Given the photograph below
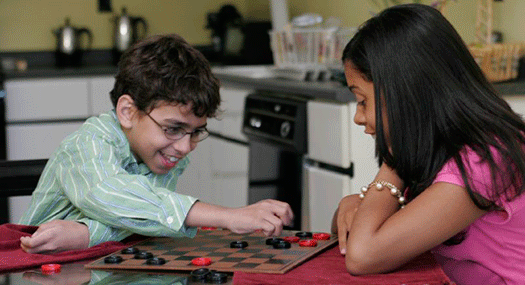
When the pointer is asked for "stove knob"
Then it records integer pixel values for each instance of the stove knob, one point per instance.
(286, 127)
(255, 122)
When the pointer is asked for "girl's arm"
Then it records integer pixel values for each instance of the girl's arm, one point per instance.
(383, 237)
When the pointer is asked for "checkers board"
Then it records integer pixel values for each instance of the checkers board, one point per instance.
(178, 253)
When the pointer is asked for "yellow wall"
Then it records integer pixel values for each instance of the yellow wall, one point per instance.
(26, 25)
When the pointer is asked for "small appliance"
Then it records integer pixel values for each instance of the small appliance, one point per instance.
(68, 50)
(127, 32)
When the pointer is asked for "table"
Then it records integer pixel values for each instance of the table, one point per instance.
(326, 268)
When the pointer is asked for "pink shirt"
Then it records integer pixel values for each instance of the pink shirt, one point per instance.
(493, 251)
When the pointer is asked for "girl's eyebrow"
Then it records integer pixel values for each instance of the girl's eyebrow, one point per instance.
(352, 87)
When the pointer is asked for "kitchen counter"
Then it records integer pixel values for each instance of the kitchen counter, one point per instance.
(54, 72)
(330, 90)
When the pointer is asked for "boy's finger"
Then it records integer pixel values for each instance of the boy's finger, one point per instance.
(268, 229)
(277, 225)
(286, 217)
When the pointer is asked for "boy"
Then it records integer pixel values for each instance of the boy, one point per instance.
(117, 174)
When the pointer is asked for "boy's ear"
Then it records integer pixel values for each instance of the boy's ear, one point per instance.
(126, 111)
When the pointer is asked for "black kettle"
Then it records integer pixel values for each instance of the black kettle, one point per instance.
(127, 32)
(68, 50)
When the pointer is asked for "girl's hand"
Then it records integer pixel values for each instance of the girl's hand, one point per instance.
(343, 218)
(57, 236)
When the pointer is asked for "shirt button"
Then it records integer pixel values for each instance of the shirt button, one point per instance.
(169, 220)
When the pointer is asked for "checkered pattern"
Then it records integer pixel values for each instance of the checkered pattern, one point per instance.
(258, 257)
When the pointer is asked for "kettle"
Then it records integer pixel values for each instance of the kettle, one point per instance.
(126, 31)
(68, 52)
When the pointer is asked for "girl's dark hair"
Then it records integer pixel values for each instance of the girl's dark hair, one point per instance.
(437, 102)
(166, 68)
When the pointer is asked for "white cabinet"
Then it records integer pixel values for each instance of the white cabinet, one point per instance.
(517, 103)
(334, 139)
(99, 88)
(46, 99)
(40, 113)
(36, 141)
(218, 172)
(229, 121)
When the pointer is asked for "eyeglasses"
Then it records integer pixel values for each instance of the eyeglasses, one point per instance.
(177, 133)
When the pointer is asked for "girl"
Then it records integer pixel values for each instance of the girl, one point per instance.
(451, 155)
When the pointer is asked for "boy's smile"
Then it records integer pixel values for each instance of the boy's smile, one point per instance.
(147, 135)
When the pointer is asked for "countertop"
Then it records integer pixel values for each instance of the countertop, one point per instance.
(330, 90)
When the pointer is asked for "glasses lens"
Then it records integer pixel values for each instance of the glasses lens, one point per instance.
(175, 133)
(199, 135)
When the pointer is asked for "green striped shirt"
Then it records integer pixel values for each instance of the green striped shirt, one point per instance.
(94, 178)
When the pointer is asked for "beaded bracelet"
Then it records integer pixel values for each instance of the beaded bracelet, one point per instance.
(379, 184)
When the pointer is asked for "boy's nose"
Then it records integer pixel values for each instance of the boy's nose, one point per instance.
(183, 145)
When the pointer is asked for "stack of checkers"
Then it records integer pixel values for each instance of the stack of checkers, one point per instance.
(214, 251)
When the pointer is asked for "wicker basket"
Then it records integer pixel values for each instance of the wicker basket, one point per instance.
(309, 49)
(499, 62)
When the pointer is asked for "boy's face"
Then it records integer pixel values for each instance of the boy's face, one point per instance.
(147, 139)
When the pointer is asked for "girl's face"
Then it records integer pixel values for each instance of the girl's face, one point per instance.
(365, 114)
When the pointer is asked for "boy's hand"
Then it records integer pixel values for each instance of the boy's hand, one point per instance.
(57, 236)
(343, 218)
(267, 215)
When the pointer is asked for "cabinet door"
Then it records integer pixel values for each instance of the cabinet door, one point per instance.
(196, 179)
(229, 123)
(99, 94)
(33, 141)
(517, 103)
(36, 141)
(229, 170)
(46, 99)
(217, 174)
(362, 149)
(334, 138)
(325, 190)
(328, 133)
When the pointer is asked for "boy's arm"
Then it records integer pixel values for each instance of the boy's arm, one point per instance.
(56, 236)
(269, 216)
(93, 178)
(62, 235)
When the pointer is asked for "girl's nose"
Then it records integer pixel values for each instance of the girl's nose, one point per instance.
(359, 118)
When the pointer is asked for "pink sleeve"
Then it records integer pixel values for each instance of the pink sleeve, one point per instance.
(450, 173)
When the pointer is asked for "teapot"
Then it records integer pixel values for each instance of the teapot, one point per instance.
(68, 51)
(127, 32)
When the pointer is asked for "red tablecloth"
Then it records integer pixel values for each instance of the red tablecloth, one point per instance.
(12, 257)
(329, 268)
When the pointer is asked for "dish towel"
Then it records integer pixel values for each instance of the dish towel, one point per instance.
(13, 258)
(329, 268)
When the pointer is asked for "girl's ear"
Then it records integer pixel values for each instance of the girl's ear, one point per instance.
(126, 111)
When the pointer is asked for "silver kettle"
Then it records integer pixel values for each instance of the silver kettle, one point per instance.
(126, 30)
(68, 38)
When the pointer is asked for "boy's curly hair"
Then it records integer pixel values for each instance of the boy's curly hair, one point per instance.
(166, 68)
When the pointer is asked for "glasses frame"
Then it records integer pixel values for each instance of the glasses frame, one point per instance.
(165, 129)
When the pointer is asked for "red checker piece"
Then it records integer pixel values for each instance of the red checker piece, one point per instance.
(51, 268)
(201, 261)
(208, 228)
(321, 236)
(308, 243)
(292, 239)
